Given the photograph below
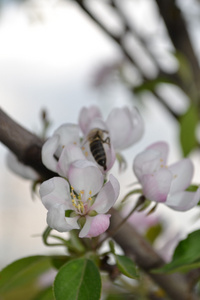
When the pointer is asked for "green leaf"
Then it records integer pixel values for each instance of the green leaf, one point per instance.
(46, 294)
(186, 255)
(153, 232)
(59, 261)
(23, 271)
(127, 266)
(192, 188)
(188, 124)
(79, 279)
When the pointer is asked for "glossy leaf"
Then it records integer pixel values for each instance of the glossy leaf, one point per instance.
(186, 255)
(126, 266)
(78, 279)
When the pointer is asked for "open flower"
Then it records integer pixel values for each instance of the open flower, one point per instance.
(125, 126)
(162, 183)
(81, 203)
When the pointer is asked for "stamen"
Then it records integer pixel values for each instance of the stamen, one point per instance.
(86, 153)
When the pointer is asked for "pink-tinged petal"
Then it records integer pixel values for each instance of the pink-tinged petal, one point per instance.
(19, 168)
(84, 175)
(156, 186)
(183, 201)
(162, 148)
(69, 154)
(48, 150)
(107, 196)
(95, 226)
(126, 127)
(87, 115)
(56, 219)
(148, 162)
(182, 172)
(55, 191)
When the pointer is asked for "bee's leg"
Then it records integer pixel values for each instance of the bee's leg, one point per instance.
(107, 141)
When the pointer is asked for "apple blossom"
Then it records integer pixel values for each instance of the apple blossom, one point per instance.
(162, 183)
(82, 202)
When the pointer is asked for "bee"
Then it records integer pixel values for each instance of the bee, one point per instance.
(96, 141)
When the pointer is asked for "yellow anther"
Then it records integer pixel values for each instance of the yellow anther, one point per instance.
(161, 166)
(83, 148)
(86, 153)
(63, 146)
(90, 198)
(72, 188)
(78, 206)
(90, 192)
(82, 192)
(74, 204)
(161, 160)
(75, 143)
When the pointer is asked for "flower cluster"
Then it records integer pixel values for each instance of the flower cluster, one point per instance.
(162, 183)
(81, 196)
(82, 154)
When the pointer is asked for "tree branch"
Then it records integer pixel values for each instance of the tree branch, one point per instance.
(24, 144)
(27, 147)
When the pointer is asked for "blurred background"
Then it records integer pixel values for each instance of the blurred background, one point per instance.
(59, 56)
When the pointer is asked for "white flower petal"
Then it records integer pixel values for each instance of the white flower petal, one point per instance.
(68, 134)
(48, 150)
(56, 219)
(156, 186)
(162, 148)
(150, 160)
(69, 154)
(87, 115)
(184, 200)
(55, 191)
(126, 127)
(84, 175)
(107, 196)
(182, 172)
(95, 226)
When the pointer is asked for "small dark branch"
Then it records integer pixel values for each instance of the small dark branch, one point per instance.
(112, 270)
(24, 144)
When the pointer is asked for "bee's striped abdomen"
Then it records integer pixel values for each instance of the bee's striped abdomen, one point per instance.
(98, 152)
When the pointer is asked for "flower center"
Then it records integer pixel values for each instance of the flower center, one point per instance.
(80, 205)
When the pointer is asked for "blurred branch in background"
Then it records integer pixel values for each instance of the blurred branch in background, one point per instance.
(152, 76)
